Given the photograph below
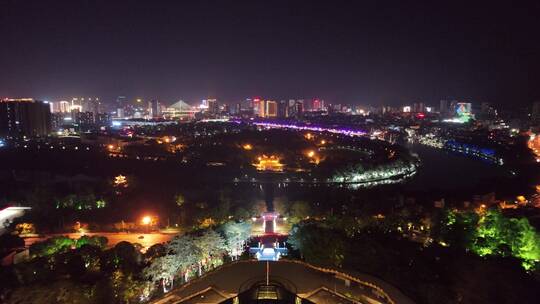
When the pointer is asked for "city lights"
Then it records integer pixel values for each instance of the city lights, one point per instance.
(269, 163)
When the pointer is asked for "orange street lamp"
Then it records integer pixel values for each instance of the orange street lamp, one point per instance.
(146, 220)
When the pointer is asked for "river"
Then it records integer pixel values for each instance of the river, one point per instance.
(444, 170)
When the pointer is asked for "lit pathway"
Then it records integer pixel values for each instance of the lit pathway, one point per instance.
(269, 246)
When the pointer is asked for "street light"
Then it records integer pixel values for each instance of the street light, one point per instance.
(146, 220)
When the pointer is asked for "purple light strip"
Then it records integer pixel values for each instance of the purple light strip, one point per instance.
(310, 128)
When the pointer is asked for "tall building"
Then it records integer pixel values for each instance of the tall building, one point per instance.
(61, 106)
(443, 107)
(299, 107)
(155, 108)
(91, 104)
(295, 107)
(291, 108)
(24, 117)
(121, 104)
(418, 107)
(213, 106)
(57, 120)
(103, 119)
(318, 105)
(258, 107)
(271, 109)
(283, 109)
(247, 105)
(84, 118)
(76, 105)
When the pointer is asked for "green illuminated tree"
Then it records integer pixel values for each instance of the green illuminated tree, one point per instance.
(236, 235)
(51, 246)
(491, 233)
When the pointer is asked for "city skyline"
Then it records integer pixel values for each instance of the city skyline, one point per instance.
(347, 53)
(276, 152)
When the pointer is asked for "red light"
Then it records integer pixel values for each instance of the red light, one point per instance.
(420, 115)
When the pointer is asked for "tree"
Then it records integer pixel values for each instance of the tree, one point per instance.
(123, 256)
(98, 241)
(236, 235)
(179, 199)
(491, 233)
(155, 251)
(163, 269)
(456, 228)
(182, 254)
(318, 244)
(51, 246)
(524, 242)
(211, 248)
(91, 256)
(299, 210)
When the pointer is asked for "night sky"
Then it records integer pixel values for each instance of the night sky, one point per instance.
(380, 52)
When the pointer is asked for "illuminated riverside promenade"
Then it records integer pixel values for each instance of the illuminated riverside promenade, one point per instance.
(344, 131)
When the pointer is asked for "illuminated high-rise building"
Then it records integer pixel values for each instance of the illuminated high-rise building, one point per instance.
(84, 118)
(87, 104)
(60, 106)
(213, 106)
(258, 107)
(76, 105)
(317, 105)
(121, 105)
(63, 106)
(271, 109)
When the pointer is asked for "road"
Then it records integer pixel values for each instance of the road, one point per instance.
(114, 238)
